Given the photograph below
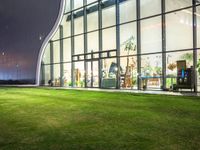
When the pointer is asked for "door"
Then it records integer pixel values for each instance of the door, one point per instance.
(92, 74)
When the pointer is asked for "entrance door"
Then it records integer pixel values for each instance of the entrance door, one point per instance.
(92, 74)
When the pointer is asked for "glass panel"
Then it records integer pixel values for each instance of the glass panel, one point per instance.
(67, 75)
(150, 7)
(47, 74)
(179, 30)
(127, 11)
(128, 72)
(95, 74)
(151, 71)
(89, 74)
(109, 70)
(79, 74)
(78, 4)
(198, 26)
(56, 36)
(67, 6)
(66, 26)
(109, 38)
(46, 56)
(78, 24)
(198, 70)
(171, 65)
(67, 50)
(56, 52)
(108, 16)
(56, 79)
(92, 17)
(151, 35)
(93, 42)
(177, 4)
(79, 44)
(128, 36)
(91, 1)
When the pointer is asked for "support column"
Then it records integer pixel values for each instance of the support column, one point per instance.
(194, 44)
(61, 57)
(100, 40)
(118, 43)
(138, 46)
(163, 46)
(85, 40)
(72, 45)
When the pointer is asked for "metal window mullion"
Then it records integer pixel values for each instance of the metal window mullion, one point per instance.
(72, 44)
(85, 40)
(61, 56)
(118, 42)
(163, 45)
(100, 40)
(194, 44)
(51, 60)
(138, 45)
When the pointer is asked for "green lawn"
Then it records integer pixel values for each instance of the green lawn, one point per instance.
(32, 118)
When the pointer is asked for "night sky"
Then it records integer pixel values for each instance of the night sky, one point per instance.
(22, 22)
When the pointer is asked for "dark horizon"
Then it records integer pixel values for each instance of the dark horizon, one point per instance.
(22, 23)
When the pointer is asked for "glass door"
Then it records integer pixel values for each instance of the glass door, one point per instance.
(92, 74)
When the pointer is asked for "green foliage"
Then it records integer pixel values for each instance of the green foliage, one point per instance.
(129, 44)
(187, 56)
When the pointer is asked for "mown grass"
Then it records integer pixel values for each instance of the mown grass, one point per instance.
(33, 118)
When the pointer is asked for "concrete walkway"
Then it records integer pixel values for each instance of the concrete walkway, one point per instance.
(158, 92)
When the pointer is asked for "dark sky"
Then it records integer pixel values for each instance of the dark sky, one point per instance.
(21, 24)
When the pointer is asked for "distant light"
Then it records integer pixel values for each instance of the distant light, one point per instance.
(3, 53)
(17, 65)
(40, 38)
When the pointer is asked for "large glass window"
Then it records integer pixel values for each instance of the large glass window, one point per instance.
(46, 56)
(66, 26)
(78, 23)
(151, 71)
(79, 73)
(108, 16)
(67, 50)
(127, 11)
(91, 1)
(179, 30)
(198, 26)
(128, 72)
(93, 41)
(79, 44)
(109, 38)
(67, 6)
(92, 18)
(47, 74)
(78, 3)
(67, 74)
(150, 7)
(177, 4)
(128, 39)
(109, 71)
(56, 79)
(56, 52)
(151, 35)
(172, 66)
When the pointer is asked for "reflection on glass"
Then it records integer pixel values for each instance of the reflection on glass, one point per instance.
(79, 74)
(151, 71)
(150, 7)
(109, 71)
(151, 37)
(179, 30)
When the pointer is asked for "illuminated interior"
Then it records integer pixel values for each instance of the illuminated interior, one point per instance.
(125, 44)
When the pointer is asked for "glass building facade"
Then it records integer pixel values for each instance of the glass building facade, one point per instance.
(124, 44)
